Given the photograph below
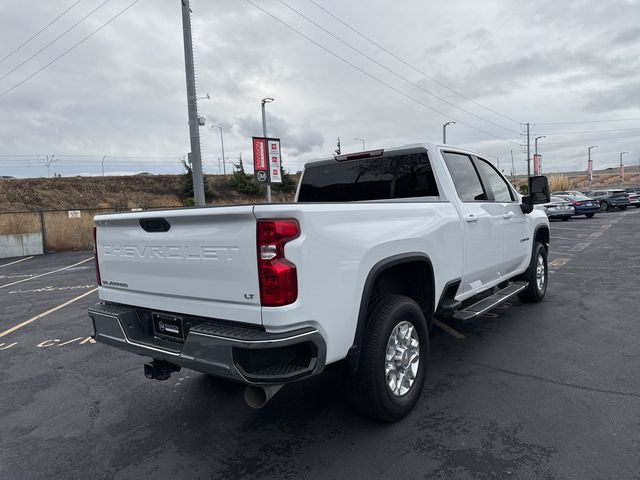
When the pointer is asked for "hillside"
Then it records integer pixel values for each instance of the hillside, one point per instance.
(69, 193)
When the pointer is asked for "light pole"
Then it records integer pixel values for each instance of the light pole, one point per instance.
(361, 140)
(264, 134)
(535, 152)
(224, 171)
(102, 164)
(444, 131)
(590, 164)
(622, 168)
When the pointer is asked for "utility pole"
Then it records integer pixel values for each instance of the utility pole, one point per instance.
(513, 170)
(192, 106)
(224, 170)
(264, 134)
(528, 154)
(48, 160)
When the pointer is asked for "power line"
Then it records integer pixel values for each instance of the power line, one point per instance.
(404, 62)
(373, 77)
(590, 140)
(38, 33)
(590, 121)
(589, 131)
(70, 48)
(418, 86)
(54, 40)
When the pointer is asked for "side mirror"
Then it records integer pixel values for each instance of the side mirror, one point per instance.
(538, 193)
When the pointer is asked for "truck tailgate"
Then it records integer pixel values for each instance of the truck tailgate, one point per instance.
(199, 261)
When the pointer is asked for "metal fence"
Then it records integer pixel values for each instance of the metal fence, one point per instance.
(43, 231)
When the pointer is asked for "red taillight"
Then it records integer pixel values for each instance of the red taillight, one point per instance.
(577, 203)
(95, 256)
(278, 276)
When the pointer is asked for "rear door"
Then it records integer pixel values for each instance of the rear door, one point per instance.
(192, 261)
(482, 223)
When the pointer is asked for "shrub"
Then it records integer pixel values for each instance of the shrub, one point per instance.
(242, 182)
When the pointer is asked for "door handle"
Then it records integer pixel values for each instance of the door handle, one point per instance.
(507, 215)
(471, 218)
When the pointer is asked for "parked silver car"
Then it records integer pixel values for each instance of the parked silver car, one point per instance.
(558, 207)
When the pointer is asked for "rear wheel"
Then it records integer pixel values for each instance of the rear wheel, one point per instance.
(624, 207)
(604, 206)
(393, 360)
(538, 276)
(590, 215)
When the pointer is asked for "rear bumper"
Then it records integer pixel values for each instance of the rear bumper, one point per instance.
(586, 210)
(239, 353)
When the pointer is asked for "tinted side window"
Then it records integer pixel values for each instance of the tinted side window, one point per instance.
(465, 177)
(414, 178)
(501, 191)
(400, 176)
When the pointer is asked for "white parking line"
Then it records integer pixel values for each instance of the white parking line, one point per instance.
(563, 238)
(569, 228)
(47, 273)
(44, 314)
(17, 261)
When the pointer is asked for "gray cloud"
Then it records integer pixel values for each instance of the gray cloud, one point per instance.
(123, 91)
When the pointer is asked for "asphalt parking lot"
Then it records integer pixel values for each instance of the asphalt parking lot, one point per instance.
(550, 390)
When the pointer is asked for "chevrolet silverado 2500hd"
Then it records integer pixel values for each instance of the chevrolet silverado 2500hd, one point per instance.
(376, 245)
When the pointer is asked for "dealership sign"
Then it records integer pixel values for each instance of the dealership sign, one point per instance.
(267, 159)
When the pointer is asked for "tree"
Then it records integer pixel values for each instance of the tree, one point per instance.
(186, 186)
(242, 182)
(338, 150)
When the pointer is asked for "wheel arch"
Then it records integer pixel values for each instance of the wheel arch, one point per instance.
(409, 274)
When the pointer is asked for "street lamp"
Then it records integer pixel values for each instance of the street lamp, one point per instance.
(622, 168)
(264, 134)
(362, 140)
(535, 141)
(224, 171)
(444, 131)
(590, 164)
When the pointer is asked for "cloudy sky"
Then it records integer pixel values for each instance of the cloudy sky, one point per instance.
(571, 68)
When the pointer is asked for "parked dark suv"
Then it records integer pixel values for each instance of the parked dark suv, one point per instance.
(610, 198)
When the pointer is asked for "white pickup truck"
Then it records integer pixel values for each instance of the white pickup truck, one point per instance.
(352, 274)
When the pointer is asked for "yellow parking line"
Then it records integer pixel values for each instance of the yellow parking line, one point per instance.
(44, 314)
(17, 261)
(449, 330)
(47, 273)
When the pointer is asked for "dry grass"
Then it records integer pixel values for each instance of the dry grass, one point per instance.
(561, 182)
(16, 223)
(55, 196)
(63, 233)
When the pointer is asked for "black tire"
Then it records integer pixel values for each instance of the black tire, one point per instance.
(604, 206)
(624, 207)
(367, 389)
(638, 205)
(589, 215)
(564, 219)
(534, 293)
